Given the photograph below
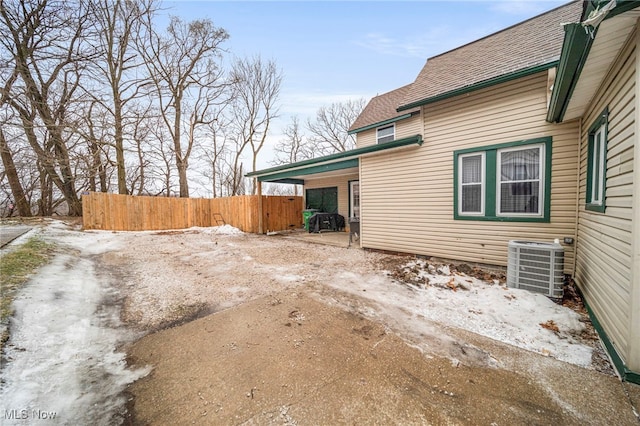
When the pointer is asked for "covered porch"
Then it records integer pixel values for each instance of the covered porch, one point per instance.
(331, 183)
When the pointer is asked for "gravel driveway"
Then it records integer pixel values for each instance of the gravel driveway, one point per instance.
(245, 329)
(267, 329)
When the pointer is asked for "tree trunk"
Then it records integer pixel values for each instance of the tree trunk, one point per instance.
(119, 140)
(14, 181)
(47, 167)
(181, 163)
(46, 191)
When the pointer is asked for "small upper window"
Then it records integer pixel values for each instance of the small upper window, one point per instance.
(597, 164)
(386, 134)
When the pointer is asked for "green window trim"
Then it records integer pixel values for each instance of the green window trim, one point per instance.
(595, 199)
(491, 183)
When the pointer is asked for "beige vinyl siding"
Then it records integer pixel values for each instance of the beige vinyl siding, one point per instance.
(404, 128)
(342, 182)
(603, 268)
(407, 196)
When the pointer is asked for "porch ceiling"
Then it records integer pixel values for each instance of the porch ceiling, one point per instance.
(330, 174)
(585, 61)
(610, 39)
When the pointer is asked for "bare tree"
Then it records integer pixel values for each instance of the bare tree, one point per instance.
(178, 62)
(47, 43)
(161, 155)
(329, 131)
(93, 131)
(10, 171)
(140, 133)
(294, 147)
(215, 152)
(257, 87)
(119, 22)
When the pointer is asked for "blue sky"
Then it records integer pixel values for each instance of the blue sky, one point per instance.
(331, 51)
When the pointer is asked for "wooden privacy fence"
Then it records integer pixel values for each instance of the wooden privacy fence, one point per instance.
(137, 213)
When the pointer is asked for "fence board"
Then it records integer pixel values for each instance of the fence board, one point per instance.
(118, 212)
(280, 213)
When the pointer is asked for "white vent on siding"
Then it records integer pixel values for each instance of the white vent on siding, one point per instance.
(537, 267)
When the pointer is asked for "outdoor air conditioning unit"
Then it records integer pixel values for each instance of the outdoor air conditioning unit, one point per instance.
(537, 267)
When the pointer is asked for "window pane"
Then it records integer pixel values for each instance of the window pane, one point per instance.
(386, 134)
(472, 169)
(518, 165)
(521, 197)
(597, 167)
(520, 181)
(472, 198)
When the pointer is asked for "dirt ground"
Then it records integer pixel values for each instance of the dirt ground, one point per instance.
(268, 340)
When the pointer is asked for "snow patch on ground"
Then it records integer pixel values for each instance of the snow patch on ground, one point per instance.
(492, 310)
(62, 354)
(219, 230)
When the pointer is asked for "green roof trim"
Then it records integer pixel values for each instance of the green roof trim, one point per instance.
(622, 7)
(380, 123)
(302, 165)
(481, 85)
(575, 50)
(289, 181)
(287, 175)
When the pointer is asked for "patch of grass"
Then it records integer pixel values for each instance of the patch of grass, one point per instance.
(17, 266)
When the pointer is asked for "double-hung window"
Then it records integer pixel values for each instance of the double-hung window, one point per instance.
(597, 164)
(471, 188)
(519, 180)
(386, 134)
(504, 182)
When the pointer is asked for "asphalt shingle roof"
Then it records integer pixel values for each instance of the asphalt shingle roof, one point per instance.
(535, 42)
(529, 44)
(381, 108)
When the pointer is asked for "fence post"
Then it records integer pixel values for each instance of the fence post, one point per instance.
(260, 207)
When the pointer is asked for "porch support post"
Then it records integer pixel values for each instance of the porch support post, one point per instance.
(260, 207)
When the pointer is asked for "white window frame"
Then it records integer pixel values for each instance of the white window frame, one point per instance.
(352, 206)
(379, 139)
(541, 184)
(482, 183)
(600, 147)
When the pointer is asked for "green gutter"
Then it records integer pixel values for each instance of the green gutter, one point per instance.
(417, 139)
(575, 49)
(622, 7)
(480, 85)
(625, 374)
(289, 175)
(380, 123)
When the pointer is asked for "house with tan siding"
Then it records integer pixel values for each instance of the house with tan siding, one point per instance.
(525, 134)
(597, 86)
